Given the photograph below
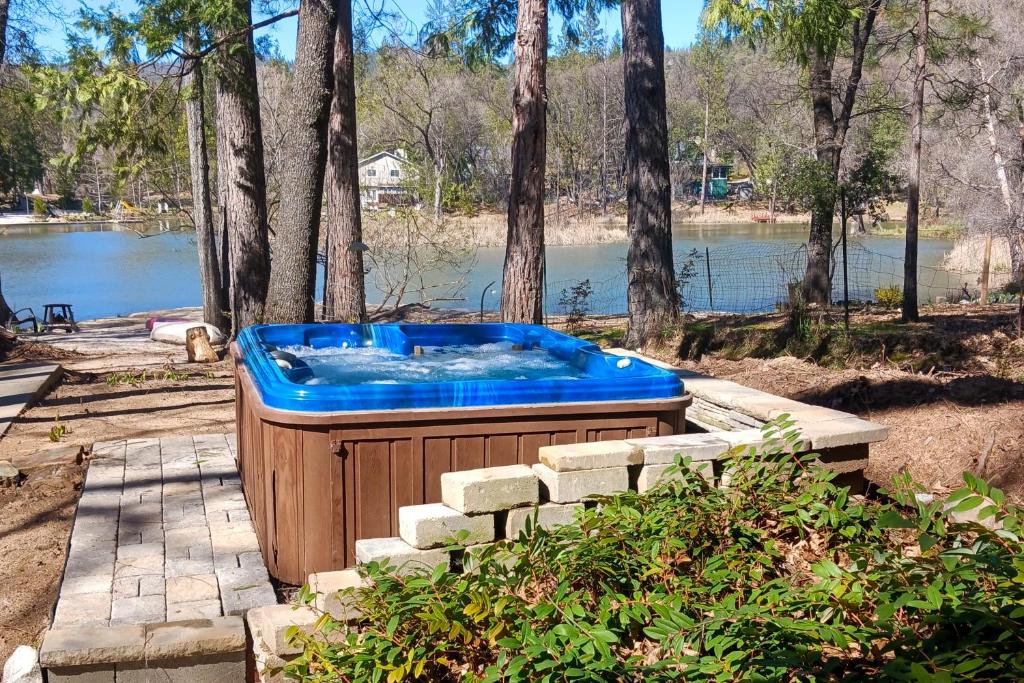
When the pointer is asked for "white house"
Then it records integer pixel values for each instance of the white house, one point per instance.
(386, 179)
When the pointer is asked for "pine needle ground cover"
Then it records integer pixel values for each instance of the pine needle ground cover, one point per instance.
(782, 576)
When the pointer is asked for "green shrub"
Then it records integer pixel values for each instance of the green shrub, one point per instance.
(88, 206)
(889, 297)
(38, 206)
(783, 576)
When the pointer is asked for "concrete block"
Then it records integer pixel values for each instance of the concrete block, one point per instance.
(87, 646)
(847, 431)
(329, 588)
(590, 456)
(195, 638)
(209, 669)
(397, 553)
(141, 610)
(95, 673)
(269, 626)
(435, 525)
(662, 450)
(652, 474)
(192, 588)
(196, 609)
(243, 588)
(489, 489)
(101, 583)
(82, 608)
(571, 487)
(549, 515)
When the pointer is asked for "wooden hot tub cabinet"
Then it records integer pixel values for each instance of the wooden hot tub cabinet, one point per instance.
(317, 482)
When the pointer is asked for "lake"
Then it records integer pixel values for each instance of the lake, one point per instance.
(106, 270)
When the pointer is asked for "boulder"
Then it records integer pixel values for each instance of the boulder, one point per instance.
(23, 666)
(9, 474)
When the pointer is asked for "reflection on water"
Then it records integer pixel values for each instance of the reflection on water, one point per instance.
(105, 269)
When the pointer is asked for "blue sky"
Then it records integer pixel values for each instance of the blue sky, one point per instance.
(680, 19)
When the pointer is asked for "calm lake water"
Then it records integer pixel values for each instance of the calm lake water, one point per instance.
(106, 270)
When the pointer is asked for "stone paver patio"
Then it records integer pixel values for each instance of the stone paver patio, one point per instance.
(162, 534)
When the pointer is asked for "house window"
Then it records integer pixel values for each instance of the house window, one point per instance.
(395, 173)
(371, 172)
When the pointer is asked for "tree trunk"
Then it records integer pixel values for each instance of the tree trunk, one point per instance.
(345, 297)
(652, 296)
(5, 6)
(704, 166)
(245, 203)
(910, 311)
(522, 287)
(297, 237)
(817, 283)
(5, 310)
(216, 304)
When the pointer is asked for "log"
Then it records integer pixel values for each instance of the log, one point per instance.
(198, 347)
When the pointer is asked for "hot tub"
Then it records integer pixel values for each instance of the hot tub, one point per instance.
(340, 425)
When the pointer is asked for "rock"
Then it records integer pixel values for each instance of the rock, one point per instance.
(23, 666)
(435, 525)
(394, 552)
(49, 457)
(592, 455)
(490, 489)
(548, 516)
(197, 346)
(9, 474)
(572, 487)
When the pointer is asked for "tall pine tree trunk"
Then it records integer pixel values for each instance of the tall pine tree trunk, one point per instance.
(346, 288)
(5, 7)
(522, 288)
(652, 296)
(817, 284)
(216, 304)
(910, 312)
(245, 189)
(293, 267)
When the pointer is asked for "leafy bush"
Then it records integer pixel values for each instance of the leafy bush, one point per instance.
(88, 206)
(889, 297)
(38, 206)
(783, 576)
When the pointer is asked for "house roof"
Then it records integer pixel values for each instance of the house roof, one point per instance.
(378, 155)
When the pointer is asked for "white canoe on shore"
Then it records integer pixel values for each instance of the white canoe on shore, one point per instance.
(174, 332)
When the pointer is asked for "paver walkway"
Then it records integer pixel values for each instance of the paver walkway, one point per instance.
(162, 533)
(21, 385)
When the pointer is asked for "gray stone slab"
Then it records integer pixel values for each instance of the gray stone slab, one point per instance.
(548, 515)
(144, 609)
(83, 608)
(571, 487)
(397, 553)
(435, 525)
(21, 385)
(590, 455)
(490, 489)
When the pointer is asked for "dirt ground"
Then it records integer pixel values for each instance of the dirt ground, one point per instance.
(951, 389)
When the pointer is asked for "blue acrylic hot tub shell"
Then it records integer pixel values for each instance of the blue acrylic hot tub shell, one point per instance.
(605, 380)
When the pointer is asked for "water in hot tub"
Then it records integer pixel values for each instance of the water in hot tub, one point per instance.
(370, 365)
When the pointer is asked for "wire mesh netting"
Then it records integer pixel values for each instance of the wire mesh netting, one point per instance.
(759, 277)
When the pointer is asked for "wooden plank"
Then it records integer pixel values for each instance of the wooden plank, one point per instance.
(492, 429)
(437, 459)
(403, 480)
(373, 489)
(317, 517)
(288, 502)
(563, 438)
(269, 495)
(343, 498)
(612, 434)
(468, 452)
(502, 449)
(531, 445)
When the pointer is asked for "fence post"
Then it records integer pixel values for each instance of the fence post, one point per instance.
(707, 263)
(986, 264)
(846, 279)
